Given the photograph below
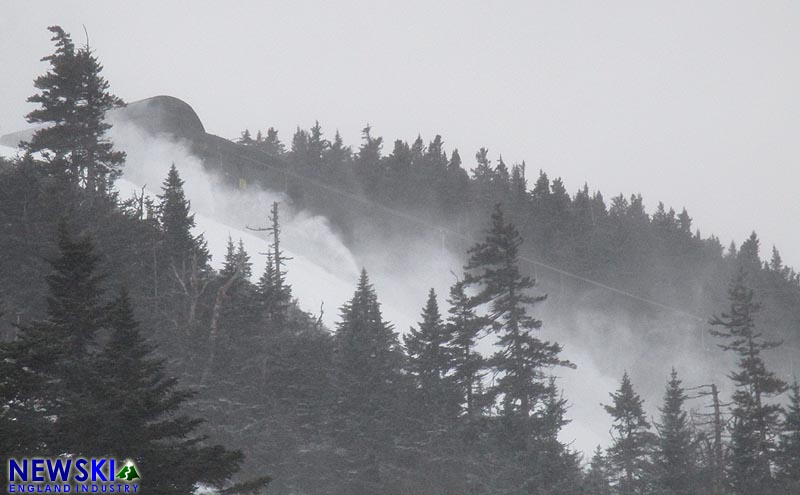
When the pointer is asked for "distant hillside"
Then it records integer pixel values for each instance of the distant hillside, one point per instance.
(576, 242)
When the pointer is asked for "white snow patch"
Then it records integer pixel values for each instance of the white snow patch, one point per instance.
(322, 269)
(9, 152)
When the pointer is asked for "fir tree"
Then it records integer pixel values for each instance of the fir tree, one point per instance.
(755, 421)
(177, 221)
(317, 146)
(629, 455)
(230, 262)
(674, 457)
(274, 293)
(236, 258)
(493, 267)
(267, 295)
(51, 359)
(338, 161)
(246, 139)
(369, 382)
(367, 164)
(272, 145)
(598, 475)
(427, 347)
(73, 100)
(141, 414)
(244, 259)
(465, 326)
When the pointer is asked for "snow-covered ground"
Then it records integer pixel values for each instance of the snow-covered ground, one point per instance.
(312, 284)
(324, 270)
(7, 152)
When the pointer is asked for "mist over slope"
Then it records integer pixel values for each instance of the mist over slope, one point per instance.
(603, 333)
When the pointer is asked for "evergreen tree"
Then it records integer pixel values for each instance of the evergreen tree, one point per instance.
(367, 164)
(244, 259)
(369, 383)
(427, 348)
(141, 414)
(272, 145)
(338, 161)
(230, 261)
(789, 452)
(51, 358)
(755, 421)
(483, 177)
(493, 267)
(246, 139)
(531, 410)
(177, 222)
(629, 455)
(465, 326)
(317, 146)
(598, 475)
(233, 314)
(674, 457)
(50, 365)
(275, 293)
(236, 257)
(267, 296)
(73, 100)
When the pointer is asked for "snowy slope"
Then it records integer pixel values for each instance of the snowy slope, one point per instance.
(7, 152)
(311, 284)
(323, 270)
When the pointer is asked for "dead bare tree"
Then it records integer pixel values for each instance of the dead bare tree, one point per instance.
(213, 333)
(193, 287)
(715, 420)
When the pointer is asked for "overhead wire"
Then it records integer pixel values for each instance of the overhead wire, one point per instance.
(444, 230)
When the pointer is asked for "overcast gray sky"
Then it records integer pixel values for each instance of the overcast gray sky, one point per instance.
(692, 103)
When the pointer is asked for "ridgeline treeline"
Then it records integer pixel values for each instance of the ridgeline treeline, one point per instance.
(120, 339)
(659, 256)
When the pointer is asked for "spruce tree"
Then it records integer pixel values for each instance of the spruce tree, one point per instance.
(755, 420)
(245, 139)
(73, 100)
(629, 455)
(272, 145)
(236, 258)
(369, 385)
(317, 146)
(244, 259)
(233, 315)
(51, 358)
(531, 412)
(267, 296)
(465, 326)
(275, 295)
(428, 350)
(177, 222)
(674, 457)
(523, 358)
(183, 261)
(368, 163)
(142, 414)
(598, 475)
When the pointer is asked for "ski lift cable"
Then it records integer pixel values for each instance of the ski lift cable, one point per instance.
(453, 234)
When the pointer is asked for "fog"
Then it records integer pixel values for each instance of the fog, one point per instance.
(602, 342)
(690, 103)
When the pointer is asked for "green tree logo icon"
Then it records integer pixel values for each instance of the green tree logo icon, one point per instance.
(128, 473)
